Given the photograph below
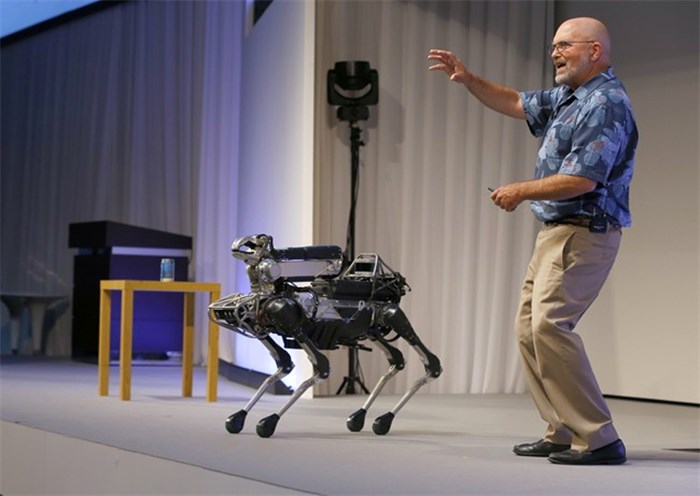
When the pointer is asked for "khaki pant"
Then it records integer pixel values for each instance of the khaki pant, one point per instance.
(568, 268)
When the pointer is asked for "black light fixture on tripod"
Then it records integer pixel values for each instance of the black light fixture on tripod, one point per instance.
(353, 86)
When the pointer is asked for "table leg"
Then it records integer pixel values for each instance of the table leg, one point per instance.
(103, 350)
(37, 310)
(15, 331)
(126, 343)
(187, 345)
(213, 355)
(16, 308)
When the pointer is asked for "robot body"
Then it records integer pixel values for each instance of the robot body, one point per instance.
(335, 309)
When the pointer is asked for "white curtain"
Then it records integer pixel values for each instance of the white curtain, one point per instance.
(130, 115)
(431, 153)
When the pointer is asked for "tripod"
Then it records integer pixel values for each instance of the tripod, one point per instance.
(356, 142)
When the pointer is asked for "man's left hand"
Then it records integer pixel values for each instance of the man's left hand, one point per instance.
(507, 197)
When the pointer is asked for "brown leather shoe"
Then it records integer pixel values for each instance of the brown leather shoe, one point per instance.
(539, 448)
(610, 454)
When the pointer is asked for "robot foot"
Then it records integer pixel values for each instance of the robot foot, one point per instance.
(235, 421)
(266, 427)
(356, 420)
(382, 424)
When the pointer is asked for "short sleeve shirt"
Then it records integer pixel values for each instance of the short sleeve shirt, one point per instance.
(588, 132)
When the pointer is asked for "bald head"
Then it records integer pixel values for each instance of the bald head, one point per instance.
(587, 28)
(580, 51)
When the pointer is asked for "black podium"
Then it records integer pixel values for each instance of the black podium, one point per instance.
(112, 250)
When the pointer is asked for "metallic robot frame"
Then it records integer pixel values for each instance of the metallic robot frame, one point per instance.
(334, 308)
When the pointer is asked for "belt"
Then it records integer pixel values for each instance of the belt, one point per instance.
(579, 220)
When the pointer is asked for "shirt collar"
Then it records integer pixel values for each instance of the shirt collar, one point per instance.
(586, 88)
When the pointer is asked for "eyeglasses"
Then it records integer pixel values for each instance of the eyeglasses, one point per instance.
(564, 45)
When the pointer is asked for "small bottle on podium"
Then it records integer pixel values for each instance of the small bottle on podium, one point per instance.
(167, 270)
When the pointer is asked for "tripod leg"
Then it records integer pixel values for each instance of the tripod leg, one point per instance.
(235, 421)
(342, 385)
(356, 420)
(352, 378)
(361, 384)
(396, 319)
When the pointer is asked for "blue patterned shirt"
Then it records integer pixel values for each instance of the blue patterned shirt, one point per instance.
(589, 132)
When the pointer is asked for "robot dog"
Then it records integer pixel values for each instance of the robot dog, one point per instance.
(334, 308)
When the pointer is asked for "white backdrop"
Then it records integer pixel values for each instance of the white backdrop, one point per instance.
(431, 152)
(643, 334)
(274, 194)
(132, 114)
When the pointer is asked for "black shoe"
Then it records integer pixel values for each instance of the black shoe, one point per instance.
(539, 448)
(611, 454)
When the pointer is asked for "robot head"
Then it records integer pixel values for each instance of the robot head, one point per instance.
(252, 249)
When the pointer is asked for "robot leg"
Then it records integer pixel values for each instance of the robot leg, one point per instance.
(235, 421)
(287, 316)
(356, 420)
(394, 317)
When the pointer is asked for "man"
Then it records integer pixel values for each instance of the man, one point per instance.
(581, 193)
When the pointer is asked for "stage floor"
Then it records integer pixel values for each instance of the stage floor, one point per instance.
(438, 445)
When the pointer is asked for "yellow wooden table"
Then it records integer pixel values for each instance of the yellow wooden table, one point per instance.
(128, 287)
